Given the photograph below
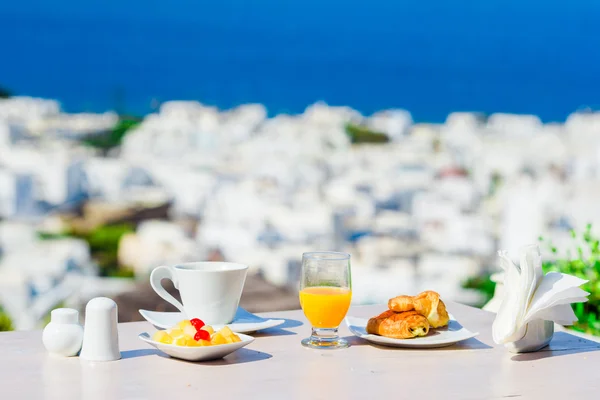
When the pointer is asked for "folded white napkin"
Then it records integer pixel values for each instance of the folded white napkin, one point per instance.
(529, 296)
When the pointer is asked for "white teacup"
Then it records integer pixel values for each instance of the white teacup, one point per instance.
(210, 291)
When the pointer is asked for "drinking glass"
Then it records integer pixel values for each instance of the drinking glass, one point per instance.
(325, 294)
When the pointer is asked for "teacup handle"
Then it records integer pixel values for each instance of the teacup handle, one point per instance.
(157, 275)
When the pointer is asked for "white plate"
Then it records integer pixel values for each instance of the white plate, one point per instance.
(244, 321)
(203, 353)
(440, 337)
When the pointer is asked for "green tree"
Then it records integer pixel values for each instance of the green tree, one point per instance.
(361, 134)
(586, 265)
(112, 138)
(104, 246)
(482, 284)
(5, 321)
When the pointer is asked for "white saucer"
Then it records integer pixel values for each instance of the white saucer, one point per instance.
(244, 321)
(440, 337)
(203, 353)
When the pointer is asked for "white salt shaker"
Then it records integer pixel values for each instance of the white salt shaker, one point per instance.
(101, 336)
(63, 335)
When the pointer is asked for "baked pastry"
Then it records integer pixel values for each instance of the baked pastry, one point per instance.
(401, 303)
(395, 325)
(431, 306)
(427, 303)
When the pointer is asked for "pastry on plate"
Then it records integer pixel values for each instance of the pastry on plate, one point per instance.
(395, 325)
(431, 306)
(401, 303)
(427, 303)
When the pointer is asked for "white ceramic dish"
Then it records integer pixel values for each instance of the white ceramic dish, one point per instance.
(244, 321)
(203, 353)
(441, 337)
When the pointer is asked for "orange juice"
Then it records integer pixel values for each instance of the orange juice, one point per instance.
(324, 306)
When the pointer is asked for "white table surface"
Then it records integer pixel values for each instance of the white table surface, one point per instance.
(276, 366)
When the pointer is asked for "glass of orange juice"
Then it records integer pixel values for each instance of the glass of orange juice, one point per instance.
(325, 294)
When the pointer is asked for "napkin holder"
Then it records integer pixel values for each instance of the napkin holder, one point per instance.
(533, 301)
(538, 335)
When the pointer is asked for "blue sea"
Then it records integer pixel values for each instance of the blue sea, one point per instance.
(431, 57)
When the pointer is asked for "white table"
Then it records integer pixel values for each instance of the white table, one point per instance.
(276, 366)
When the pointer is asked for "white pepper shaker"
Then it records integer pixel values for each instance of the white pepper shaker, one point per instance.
(101, 336)
(63, 335)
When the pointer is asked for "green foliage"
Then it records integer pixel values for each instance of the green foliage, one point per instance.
(52, 236)
(361, 134)
(114, 137)
(107, 237)
(104, 246)
(4, 93)
(484, 285)
(123, 272)
(5, 322)
(497, 181)
(586, 265)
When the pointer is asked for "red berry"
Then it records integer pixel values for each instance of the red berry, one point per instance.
(202, 335)
(197, 323)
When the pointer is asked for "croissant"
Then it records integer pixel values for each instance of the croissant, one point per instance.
(427, 303)
(401, 303)
(395, 325)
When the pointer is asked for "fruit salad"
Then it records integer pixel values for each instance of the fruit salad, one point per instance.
(194, 333)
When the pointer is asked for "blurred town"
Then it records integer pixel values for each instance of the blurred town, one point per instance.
(91, 203)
